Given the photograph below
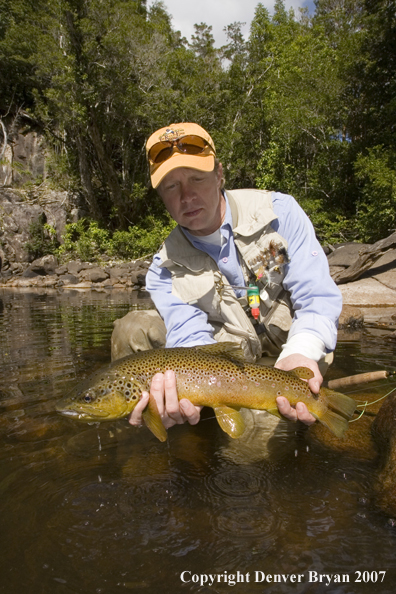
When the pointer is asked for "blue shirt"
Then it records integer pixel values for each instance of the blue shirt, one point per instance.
(316, 300)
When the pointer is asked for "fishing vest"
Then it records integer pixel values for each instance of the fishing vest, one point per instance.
(196, 279)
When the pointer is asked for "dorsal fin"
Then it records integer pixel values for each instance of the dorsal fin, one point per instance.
(227, 350)
(303, 372)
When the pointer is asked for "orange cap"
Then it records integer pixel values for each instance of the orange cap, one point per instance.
(204, 161)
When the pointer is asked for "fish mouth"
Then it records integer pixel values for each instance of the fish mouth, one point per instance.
(80, 415)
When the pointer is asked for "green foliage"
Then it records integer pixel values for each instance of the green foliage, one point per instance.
(376, 212)
(138, 242)
(299, 107)
(87, 241)
(43, 240)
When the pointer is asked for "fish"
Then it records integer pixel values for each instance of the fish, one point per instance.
(214, 375)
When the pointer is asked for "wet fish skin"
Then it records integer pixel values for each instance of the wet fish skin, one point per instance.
(212, 375)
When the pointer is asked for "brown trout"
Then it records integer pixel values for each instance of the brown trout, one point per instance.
(211, 375)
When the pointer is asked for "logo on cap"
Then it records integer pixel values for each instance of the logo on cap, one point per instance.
(171, 134)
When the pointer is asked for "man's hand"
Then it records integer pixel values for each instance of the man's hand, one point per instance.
(171, 410)
(300, 412)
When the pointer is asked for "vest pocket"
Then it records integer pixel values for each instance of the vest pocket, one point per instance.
(197, 289)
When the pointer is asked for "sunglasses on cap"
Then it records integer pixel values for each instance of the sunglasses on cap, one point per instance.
(188, 145)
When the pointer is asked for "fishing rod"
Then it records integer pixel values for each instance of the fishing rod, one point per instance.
(360, 378)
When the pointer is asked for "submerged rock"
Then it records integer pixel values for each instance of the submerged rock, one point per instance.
(384, 434)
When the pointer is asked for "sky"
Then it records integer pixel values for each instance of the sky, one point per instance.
(218, 14)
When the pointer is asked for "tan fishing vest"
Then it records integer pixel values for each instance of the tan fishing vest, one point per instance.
(197, 280)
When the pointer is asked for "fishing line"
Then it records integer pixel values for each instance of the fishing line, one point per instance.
(366, 404)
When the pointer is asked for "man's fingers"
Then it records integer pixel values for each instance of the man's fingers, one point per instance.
(190, 412)
(135, 418)
(163, 390)
(299, 413)
(157, 391)
(303, 414)
(171, 399)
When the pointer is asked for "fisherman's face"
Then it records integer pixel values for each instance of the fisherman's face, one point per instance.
(194, 199)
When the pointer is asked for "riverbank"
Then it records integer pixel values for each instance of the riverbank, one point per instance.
(367, 302)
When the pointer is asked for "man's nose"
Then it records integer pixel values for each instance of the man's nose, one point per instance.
(186, 193)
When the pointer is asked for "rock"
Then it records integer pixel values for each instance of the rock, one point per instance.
(367, 292)
(19, 211)
(26, 159)
(95, 275)
(138, 277)
(351, 317)
(83, 285)
(334, 270)
(74, 267)
(29, 274)
(366, 260)
(117, 272)
(61, 270)
(384, 433)
(384, 270)
(45, 265)
(69, 279)
(346, 254)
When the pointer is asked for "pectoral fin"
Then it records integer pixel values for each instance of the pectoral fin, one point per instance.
(153, 421)
(230, 420)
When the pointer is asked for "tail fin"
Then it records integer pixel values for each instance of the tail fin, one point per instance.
(340, 403)
(337, 425)
(341, 408)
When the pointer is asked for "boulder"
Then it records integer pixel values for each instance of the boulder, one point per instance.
(384, 433)
(74, 267)
(351, 317)
(138, 277)
(367, 292)
(346, 254)
(45, 265)
(69, 279)
(19, 211)
(95, 275)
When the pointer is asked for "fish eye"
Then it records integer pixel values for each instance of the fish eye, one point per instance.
(87, 398)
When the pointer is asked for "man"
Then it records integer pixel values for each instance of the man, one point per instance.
(228, 244)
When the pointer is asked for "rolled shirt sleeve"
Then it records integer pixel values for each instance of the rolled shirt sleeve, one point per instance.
(316, 299)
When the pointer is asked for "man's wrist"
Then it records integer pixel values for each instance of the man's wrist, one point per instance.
(305, 344)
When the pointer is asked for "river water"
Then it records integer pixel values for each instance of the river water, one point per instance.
(109, 509)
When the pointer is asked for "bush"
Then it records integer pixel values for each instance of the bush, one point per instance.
(43, 240)
(376, 211)
(87, 241)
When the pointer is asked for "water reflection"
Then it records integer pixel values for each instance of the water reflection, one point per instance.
(110, 509)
